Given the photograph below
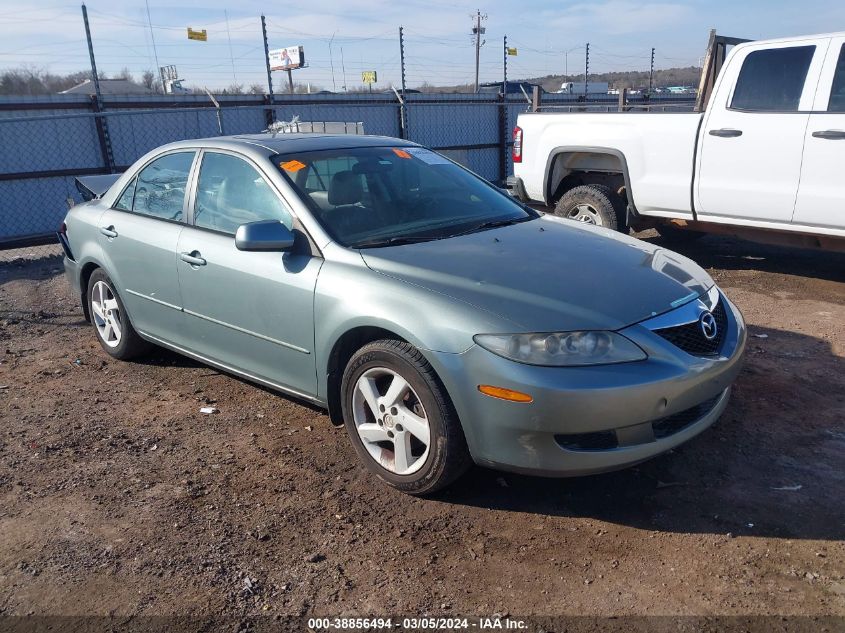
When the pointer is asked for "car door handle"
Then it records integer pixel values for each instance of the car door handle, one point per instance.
(108, 231)
(192, 258)
(726, 133)
(830, 134)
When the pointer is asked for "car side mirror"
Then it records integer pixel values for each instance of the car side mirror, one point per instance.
(264, 235)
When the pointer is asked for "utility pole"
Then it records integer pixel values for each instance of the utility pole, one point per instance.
(403, 112)
(478, 31)
(331, 61)
(102, 125)
(343, 70)
(586, 70)
(94, 76)
(505, 68)
(155, 52)
(267, 62)
(231, 55)
(651, 72)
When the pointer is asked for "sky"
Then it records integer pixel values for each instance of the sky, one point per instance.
(342, 39)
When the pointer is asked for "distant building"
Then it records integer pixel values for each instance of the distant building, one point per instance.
(108, 87)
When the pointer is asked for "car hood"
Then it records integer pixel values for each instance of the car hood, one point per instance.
(549, 274)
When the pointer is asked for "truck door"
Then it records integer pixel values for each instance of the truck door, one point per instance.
(752, 139)
(821, 194)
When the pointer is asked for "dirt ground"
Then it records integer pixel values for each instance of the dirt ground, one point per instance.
(118, 497)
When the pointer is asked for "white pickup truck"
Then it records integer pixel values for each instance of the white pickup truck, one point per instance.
(765, 160)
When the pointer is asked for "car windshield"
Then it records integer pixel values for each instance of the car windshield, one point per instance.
(369, 197)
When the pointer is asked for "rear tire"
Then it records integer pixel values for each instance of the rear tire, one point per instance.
(111, 323)
(592, 204)
(400, 418)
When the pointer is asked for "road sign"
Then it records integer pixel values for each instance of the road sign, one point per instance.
(200, 36)
(369, 77)
(511, 51)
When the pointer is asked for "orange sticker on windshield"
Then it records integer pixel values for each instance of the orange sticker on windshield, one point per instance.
(401, 153)
(293, 165)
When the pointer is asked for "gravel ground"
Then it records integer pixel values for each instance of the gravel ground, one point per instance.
(118, 497)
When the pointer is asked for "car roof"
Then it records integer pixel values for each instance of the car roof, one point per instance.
(283, 143)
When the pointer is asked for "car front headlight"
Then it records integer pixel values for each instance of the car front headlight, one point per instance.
(563, 349)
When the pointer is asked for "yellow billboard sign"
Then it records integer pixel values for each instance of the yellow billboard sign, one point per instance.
(201, 36)
(369, 77)
(511, 51)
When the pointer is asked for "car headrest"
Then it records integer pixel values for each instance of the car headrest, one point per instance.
(345, 188)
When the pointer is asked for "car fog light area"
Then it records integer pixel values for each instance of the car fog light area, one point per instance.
(563, 349)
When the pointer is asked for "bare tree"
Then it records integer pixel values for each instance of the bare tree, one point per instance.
(257, 89)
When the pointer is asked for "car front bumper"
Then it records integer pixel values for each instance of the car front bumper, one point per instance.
(586, 420)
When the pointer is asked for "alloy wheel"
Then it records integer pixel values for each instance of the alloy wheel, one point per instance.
(106, 314)
(391, 421)
(585, 213)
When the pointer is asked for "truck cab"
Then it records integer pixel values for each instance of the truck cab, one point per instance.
(765, 155)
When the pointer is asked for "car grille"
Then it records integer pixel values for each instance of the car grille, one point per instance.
(690, 338)
(678, 422)
(662, 428)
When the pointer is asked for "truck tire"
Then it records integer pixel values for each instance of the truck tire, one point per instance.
(592, 204)
(673, 235)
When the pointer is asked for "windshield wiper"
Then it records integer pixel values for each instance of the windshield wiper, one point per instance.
(396, 241)
(491, 224)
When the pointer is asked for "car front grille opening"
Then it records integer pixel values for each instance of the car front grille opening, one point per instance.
(662, 428)
(678, 422)
(598, 441)
(691, 339)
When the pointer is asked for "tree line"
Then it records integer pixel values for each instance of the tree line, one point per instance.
(30, 81)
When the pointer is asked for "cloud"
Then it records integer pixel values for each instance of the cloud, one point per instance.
(619, 17)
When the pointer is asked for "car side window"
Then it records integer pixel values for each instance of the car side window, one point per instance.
(772, 80)
(124, 203)
(160, 190)
(231, 192)
(837, 91)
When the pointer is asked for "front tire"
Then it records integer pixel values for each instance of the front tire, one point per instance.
(111, 322)
(400, 419)
(592, 204)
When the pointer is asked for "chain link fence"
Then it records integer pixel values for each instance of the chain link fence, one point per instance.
(48, 141)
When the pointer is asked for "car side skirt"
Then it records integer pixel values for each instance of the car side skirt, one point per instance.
(237, 372)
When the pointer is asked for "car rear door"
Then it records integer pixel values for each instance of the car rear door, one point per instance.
(821, 194)
(752, 138)
(139, 235)
(250, 311)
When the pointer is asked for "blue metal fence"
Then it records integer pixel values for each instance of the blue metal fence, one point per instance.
(46, 141)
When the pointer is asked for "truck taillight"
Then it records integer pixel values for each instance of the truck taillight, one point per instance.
(517, 144)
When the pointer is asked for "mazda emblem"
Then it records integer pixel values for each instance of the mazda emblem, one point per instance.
(707, 323)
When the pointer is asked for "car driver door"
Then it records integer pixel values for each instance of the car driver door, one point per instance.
(252, 312)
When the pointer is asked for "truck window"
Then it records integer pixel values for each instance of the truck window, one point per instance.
(772, 80)
(837, 92)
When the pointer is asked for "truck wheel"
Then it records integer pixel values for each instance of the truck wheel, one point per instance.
(592, 204)
(673, 235)
(400, 419)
